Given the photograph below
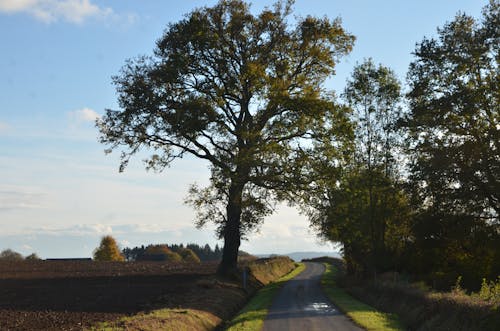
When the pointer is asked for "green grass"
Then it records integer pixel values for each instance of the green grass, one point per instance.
(251, 318)
(361, 313)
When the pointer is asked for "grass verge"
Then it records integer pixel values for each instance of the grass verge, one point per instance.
(253, 314)
(164, 319)
(361, 313)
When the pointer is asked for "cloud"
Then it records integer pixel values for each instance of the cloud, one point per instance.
(85, 115)
(15, 198)
(100, 229)
(26, 248)
(49, 11)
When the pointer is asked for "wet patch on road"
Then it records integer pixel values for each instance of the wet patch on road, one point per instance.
(321, 308)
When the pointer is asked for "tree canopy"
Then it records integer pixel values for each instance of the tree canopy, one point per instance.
(108, 250)
(454, 146)
(241, 91)
(361, 204)
(455, 114)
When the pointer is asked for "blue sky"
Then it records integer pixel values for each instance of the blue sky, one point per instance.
(59, 193)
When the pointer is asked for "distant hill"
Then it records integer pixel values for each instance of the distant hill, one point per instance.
(298, 256)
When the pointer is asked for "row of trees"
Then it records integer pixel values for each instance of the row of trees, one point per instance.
(108, 250)
(173, 253)
(421, 192)
(10, 255)
(403, 181)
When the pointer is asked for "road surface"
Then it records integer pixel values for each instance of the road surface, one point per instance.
(301, 305)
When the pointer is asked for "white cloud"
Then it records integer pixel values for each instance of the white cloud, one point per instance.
(99, 229)
(18, 197)
(49, 11)
(85, 115)
(26, 248)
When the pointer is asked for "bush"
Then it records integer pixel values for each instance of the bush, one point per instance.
(108, 250)
(10, 255)
(160, 253)
(490, 292)
(33, 257)
(188, 255)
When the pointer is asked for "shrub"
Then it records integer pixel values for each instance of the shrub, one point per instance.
(33, 257)
(108, 250)
(188, 255)
(10, 255)
(490, 292)
(160, 253)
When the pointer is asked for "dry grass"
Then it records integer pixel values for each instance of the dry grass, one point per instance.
(421, 309)
(165, 319)
(361, 313)
(268, 270)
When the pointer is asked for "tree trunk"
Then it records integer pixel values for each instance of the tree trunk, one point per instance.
(232, 236)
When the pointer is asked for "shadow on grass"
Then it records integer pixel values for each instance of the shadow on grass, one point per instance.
(363, 314)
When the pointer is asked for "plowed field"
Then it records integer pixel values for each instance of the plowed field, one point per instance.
(69, 295)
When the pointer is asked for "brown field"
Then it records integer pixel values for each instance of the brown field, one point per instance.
(68, 295)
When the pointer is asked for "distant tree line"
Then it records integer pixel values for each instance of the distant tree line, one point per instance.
(166, 252)
(10, 255)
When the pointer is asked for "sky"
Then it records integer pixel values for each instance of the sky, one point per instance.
(60, 193)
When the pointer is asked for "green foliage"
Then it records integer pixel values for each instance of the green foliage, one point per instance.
(454, 146)
(374, 94)
(490, 291)
(361, 204)
(108, 250)
(243, 92)
(10, 255)
(361, 313)
(422, 309)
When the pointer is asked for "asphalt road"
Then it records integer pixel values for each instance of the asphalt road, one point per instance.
(301, 305)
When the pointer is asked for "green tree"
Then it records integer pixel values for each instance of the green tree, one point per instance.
(108, 250)
(454, 142)
(363, 207)
(347, 211)
(241, 91)
(374, 94)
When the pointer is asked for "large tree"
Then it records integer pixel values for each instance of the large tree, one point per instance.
(363, 208)
(455, 140)
(241, 91)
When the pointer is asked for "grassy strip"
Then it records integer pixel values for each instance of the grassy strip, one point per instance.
(163, 319)
(251, 318)
(362, 314)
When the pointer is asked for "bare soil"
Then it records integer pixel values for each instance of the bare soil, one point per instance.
(69, 295)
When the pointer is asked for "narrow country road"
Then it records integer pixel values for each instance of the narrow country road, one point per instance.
(301, 305)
